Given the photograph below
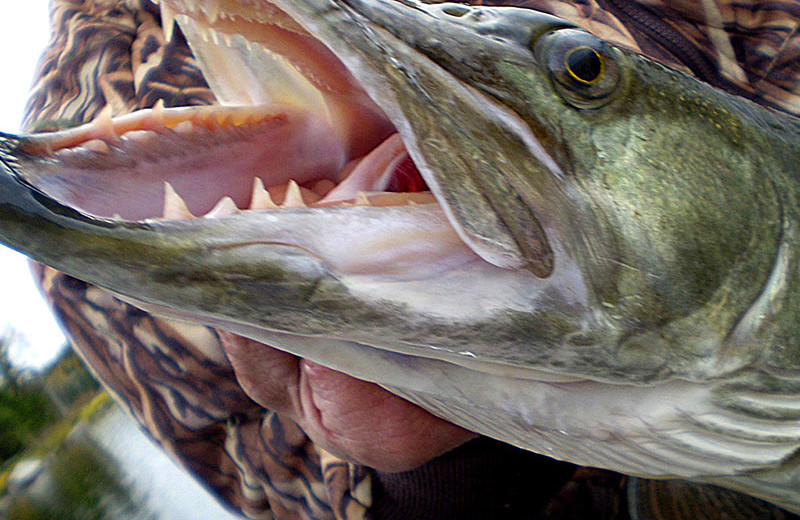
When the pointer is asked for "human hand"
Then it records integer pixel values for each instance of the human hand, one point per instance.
(353, 419)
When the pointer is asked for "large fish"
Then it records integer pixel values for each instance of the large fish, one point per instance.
(605, 269)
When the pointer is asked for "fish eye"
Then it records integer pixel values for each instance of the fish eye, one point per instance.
(582, 67)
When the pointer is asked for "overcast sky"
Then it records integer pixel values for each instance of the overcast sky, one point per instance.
(24, 32)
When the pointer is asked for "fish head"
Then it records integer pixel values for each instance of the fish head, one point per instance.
(631, 192)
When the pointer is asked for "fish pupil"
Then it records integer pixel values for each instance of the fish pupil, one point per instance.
(584, 64)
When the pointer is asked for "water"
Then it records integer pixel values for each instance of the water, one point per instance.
(156, 482)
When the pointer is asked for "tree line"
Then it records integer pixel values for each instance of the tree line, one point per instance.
(30, 401)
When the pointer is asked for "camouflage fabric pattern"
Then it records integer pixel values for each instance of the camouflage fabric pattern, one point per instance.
(747, 47)
(174, 378)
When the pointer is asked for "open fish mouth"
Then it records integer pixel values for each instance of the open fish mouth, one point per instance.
(307, 203)
(294, 131)
(167, 164)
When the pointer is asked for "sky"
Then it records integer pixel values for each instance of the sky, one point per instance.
(24, 32)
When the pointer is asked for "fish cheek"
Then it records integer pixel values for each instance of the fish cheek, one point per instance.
(688, 218)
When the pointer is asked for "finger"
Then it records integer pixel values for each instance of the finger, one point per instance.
(363, 422)
(267, 375)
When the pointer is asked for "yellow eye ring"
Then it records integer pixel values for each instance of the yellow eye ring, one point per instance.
(582, 68)
(584, 57)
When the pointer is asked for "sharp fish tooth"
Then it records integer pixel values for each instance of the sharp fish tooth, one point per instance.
(212, 10)
(224, 208)
(261, 198)
(293, 198)
(167, 20)
(184, 127)
(158, 111)
(104, 123)
(96, 145)
(362, 199)
(174, 206)
(139, 136)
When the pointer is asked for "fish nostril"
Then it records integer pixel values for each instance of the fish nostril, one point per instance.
(456, 10)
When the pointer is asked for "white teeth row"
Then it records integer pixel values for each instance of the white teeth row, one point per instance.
(210, 34)
(104, 131)
(249, 10)
(175, 208)
(211, 9)
(101, 146)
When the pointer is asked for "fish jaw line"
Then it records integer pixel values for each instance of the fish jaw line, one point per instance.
(432, 271)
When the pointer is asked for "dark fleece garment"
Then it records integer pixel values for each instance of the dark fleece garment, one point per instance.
(488, 480)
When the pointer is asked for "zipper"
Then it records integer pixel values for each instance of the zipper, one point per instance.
(666, 36)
